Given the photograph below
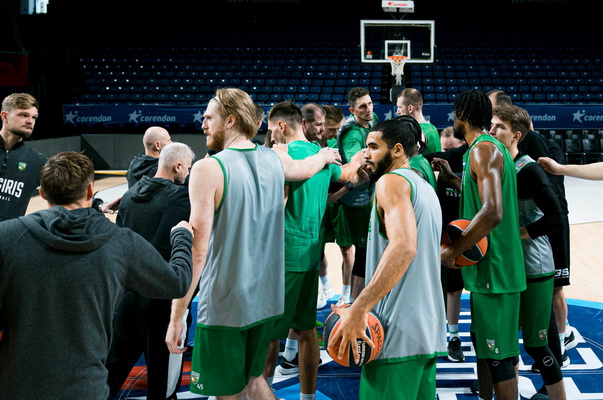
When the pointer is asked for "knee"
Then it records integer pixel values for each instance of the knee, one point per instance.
(502, 370)
(549, 367)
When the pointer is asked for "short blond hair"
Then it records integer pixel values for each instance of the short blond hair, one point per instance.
(19, 101)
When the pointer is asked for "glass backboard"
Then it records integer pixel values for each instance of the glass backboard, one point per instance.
(382, 38)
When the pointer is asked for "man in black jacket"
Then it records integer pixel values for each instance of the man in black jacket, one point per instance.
(150, 208)
(20, 166)
(145, 164)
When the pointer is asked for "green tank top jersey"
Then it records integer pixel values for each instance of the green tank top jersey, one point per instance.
(432, 136)
(412, 313)
(423, 167)
(502, 269)
(305, 208)
(242, 284)
(537, 252)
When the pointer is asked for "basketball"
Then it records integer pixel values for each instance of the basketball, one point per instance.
(470, 256)
(374, 331)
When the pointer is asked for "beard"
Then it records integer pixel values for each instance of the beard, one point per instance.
(459, 133)
(215, 142)
(381, 167)
(22, 133)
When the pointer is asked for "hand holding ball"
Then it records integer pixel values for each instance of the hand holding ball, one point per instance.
(374, 331)
(471, 256)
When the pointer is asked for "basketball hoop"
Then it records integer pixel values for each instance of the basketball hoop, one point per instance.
(397, 63)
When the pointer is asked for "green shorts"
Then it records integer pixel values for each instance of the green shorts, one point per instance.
(358, 219)
(301, 294)
(224, 359)
(535, 312)
(334, 228)
(414, 379)
(495, 322)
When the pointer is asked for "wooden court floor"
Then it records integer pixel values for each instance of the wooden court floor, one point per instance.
(586, 237)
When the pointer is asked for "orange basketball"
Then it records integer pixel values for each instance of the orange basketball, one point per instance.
(470, 256)
(374, 331)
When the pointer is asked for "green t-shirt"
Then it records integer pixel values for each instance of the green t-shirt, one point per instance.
(353, 136)
(421, 165)
(332, 143)
(502, 268)
(432, 136)
(351, 140)
(305, 208)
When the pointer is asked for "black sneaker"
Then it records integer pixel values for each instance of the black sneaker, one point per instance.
(455, 353)
(474, 387)
(565, 359)
(570, 341)
(288, 367)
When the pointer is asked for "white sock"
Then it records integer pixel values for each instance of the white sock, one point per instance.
(304, 396)
(290, 349)
(324, 280)
(346, 290)
(453, 330)
(568, 329)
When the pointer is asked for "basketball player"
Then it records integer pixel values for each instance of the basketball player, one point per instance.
(402, 266)
(536, 146)
(334, 224)
(237, 199)
(423, 167)
(20, 165)
(356, 205)
(304, 209)
(150, 208)
(145, 164)
(489, 200)
(539, 214)
(410, 102)
(449, 195)
(313, 122)
(63, 272)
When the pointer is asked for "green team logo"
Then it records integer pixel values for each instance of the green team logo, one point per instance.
(194, 377)
(491, 344)
(22, 166)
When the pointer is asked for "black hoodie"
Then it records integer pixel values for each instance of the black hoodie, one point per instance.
(141, 165)
(62, 275)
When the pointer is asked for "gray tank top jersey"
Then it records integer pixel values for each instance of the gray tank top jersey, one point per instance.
(243, 281)
(413, 311)
(537, 253)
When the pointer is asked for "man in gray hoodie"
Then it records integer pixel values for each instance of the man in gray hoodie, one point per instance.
(63, 272)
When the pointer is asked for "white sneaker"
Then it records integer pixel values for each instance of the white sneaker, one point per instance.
(323, 296)
(343, 300)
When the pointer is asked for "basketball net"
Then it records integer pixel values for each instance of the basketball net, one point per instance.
(397, 63)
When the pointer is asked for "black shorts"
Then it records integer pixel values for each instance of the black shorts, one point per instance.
(455, 280)
(560, 242)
